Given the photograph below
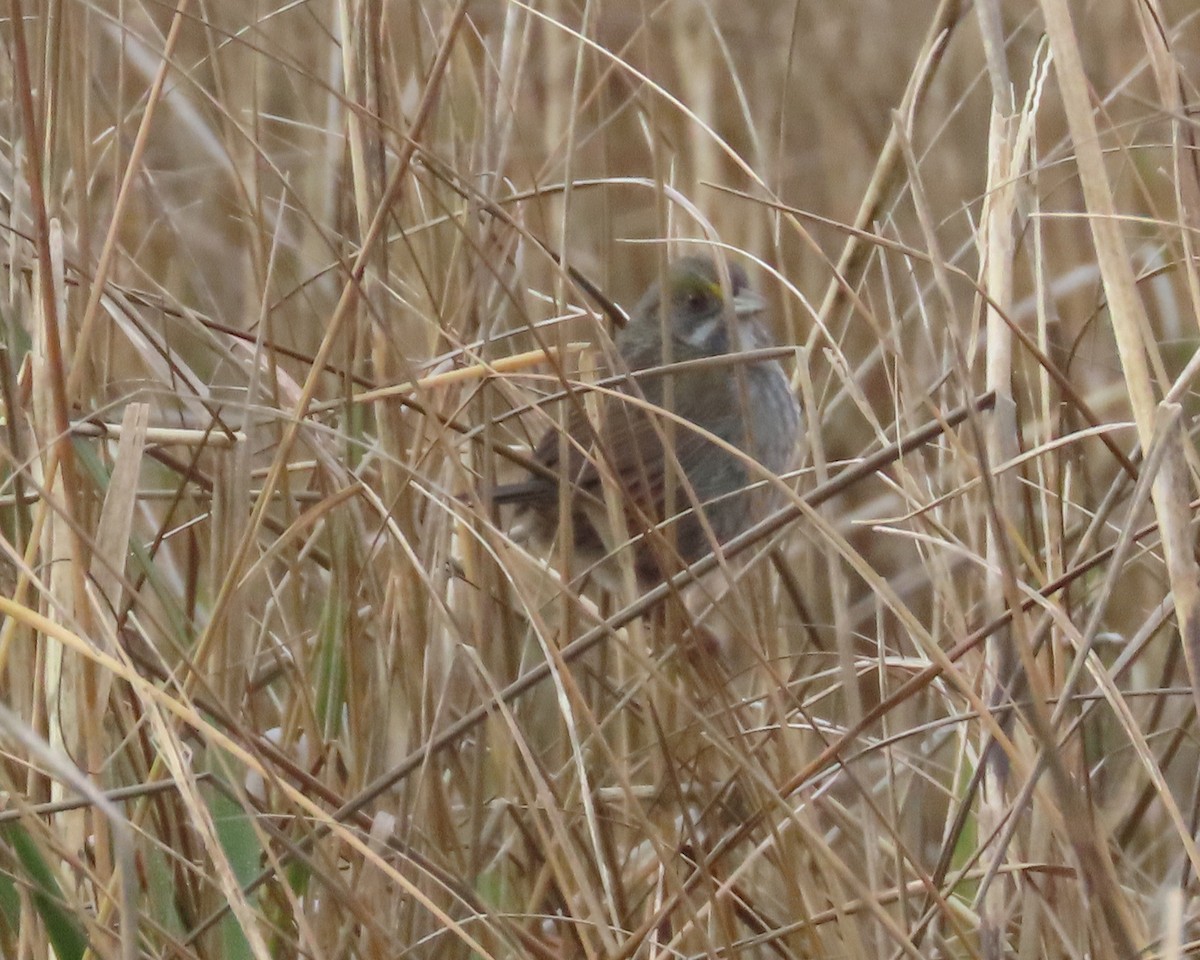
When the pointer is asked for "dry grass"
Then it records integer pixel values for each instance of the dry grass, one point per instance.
(276, 682)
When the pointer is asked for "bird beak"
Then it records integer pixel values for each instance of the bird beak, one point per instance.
(747, 303)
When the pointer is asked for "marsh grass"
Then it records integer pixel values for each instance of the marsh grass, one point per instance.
(280, 305)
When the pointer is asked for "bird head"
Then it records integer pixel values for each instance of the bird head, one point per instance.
(702, 305)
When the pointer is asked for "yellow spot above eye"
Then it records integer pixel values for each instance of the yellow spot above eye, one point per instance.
(693, 284)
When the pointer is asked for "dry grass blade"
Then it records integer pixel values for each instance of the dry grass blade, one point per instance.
(303, 311)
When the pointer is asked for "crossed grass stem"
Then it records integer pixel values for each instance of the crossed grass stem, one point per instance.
(608, 628)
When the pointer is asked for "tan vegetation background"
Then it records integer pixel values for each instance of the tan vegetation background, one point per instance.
(275, 681)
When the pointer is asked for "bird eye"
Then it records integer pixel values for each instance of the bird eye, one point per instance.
(696, 300)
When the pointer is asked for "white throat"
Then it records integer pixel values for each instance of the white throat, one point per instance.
(699, 336)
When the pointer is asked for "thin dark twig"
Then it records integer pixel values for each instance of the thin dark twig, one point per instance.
(761, 531)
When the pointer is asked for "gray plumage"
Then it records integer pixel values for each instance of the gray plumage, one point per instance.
(747, 405)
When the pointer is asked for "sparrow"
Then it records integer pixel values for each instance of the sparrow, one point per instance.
(656, 449)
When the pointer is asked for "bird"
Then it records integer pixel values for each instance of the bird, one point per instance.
(658, 439)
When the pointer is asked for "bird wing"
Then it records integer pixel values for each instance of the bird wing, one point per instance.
(627, 445)
(623, 439)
